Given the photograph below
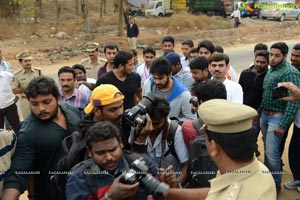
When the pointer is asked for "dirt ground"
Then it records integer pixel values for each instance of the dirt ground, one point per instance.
(50, 51)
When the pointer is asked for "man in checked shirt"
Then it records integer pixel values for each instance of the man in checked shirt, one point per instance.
(276, 116)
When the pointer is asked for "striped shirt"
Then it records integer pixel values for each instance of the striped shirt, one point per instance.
(6, 66)
(284, 72)
(77, 99)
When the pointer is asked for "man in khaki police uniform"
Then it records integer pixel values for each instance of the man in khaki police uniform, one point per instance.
(231, 144)
(93, 62)
(22, 77)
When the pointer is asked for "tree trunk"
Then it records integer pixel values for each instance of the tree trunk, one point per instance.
(77, 7)
(121, 12)
(126, 12)
(102, 8)
(58, 12)
(84, 8)
(38, 11)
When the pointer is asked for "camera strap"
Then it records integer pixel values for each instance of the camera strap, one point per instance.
(168, 137)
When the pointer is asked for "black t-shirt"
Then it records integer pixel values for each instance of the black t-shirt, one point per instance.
(128, 87)
(252, 87)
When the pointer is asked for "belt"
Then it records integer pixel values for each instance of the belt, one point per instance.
(270, 112)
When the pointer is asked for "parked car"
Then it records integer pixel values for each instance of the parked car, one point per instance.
(280, 11)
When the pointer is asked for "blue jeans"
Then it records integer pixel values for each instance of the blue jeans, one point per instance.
(268, 123)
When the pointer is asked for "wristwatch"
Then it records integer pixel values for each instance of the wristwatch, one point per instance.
(106, 197)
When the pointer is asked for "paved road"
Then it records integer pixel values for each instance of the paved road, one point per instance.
(242, 56)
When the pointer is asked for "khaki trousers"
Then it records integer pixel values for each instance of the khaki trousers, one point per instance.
(132, 42)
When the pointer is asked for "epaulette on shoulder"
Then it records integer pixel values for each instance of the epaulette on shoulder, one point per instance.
(84, 60)
(18, 71)
(37, 68)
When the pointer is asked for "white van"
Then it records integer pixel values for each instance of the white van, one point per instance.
(280, 11)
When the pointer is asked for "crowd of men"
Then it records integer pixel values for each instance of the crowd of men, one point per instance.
(127, 110)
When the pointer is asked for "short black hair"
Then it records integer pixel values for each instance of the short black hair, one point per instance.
(80, 67)
(111, 46)
(219, 49)
(42, 85)
(134, 52)
(67, 69)
(207, 44)
(260, 46)
(263, 53)
(190, 43)
(282, 46)
(168, 39)
(160, 108)
(215, 57)
(199, 63)
(209, 89)
(102, 131)
(297, 46)
(122, 58)
(240, 147)
(149, 49)
(160, 66)
(193, 50)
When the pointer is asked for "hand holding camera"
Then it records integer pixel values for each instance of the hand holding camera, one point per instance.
(139, 173)
(120, 190)
(168, 176)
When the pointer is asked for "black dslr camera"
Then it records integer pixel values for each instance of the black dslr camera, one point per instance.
(137, 113)
(138, 173)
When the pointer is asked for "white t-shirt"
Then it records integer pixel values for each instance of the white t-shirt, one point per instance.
(234, 91)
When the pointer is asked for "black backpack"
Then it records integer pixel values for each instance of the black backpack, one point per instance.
(74, 147)
(201, 168)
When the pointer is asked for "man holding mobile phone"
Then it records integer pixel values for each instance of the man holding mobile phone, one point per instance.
(276, 116)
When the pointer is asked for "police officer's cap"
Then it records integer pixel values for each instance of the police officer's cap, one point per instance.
(91, 46)
(24, 55)
(223, 116)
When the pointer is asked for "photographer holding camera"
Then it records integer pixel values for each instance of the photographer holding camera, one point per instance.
(101, 176)
(165, 143)
(106, 103)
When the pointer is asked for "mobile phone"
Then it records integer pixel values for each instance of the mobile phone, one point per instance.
(279, 92)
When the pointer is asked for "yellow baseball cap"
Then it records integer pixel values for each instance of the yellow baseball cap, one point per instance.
(223, 116)
(102, 95)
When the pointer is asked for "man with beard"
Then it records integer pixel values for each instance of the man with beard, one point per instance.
(252, 80)
(39, 140)
(276, 116)
(218, 66)
(106, 104)
(68, 93)
(110, 51)
(128, 82)
(22, 77)
(162, 84)
(93, 63)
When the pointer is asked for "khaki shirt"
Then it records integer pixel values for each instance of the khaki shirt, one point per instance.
(92, 69)
(251, 182)
(22, 78)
